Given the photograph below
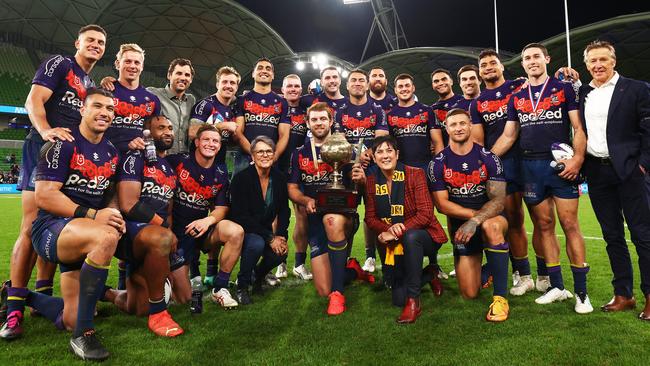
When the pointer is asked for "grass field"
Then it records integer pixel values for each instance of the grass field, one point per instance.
(288, 326)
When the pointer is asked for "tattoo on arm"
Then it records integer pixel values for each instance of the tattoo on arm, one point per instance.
(497, 193)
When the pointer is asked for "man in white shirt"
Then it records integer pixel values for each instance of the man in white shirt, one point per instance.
(616, 114)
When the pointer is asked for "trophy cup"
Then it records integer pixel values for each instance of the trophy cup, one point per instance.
(335, 197)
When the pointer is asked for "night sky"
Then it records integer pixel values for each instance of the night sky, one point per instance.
(341, 30)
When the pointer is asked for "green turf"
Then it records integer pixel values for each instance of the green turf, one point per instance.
(288, 325)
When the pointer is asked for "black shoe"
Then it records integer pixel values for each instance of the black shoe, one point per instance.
(3, 300)
(88, 347)
(12, 328)
(257, 288)
(243, 297)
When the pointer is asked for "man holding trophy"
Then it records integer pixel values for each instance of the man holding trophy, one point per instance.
(314, 167)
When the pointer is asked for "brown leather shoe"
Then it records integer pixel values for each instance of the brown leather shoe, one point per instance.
(410, 312)
(645, 314)
(619, 303)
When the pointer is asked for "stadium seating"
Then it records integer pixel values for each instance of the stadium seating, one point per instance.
(15, 75)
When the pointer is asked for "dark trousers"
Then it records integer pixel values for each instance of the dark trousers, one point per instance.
(253, 249)
(407, 280)
(613, 201)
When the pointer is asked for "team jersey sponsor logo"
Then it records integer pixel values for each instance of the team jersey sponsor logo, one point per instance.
(160, 183)
(88, 174)
(308, 171)
(53, 154)
(471, 183)
(260, 113)
(194, 192)
(130, 114)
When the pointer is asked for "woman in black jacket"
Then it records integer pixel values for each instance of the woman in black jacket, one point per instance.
(259, 196)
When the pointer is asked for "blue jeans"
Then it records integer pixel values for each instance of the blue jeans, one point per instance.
(254, 248)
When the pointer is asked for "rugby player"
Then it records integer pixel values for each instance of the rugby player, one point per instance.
(55, 98)
(470, 83)
(415, 127)
(467, 185)
(74, 228)
(544, 113)
(361, 119)
(330, 81)
(145, 192)
(328, 233)
(292, 91)
(442, 82)
(489, 114)
(261, 112)
(377, 92)
(216, 110)
(198, 216)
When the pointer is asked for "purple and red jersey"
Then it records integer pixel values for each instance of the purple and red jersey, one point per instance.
(491, 110)
(303, 172)
(462, 103)
(85, 169)
(544, 120)
(198, 189)
(387, 103)
(211, 111)
(360, 121)
(441, 107)
(262, 114)
(68, 83)
(132, 108)
(411, 128)
(335, 104)
(465, 177)
(158, 180)
(298, 118)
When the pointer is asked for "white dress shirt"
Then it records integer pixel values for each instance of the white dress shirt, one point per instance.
(596, 108)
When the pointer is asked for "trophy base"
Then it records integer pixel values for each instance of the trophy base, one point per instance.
(343, 201)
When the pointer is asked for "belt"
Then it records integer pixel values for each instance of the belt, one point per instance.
(599, 160)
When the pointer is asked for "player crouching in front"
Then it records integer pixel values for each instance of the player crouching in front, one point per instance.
(399, 208)
(73, 228)
(145, 186)
(467, 185)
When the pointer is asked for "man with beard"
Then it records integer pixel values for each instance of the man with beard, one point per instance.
(442, 82)
(362, 119)
(328, 233)
(470, 84)
(378, 89)
(292, 91)
(145, 190)
(261, 112)
(53, 104)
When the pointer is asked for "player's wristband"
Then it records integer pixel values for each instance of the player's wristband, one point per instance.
(81, 211)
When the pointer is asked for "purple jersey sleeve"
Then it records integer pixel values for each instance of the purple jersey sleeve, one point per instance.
(286, 114)
(294, 172)
(132, 167)
(201, 110)
(512, 111)
(381, 124)
(473, 112)
(54, 162)
(52, 71)
(433, 122)
(238, 108)
(493, 165)
(571, 97)
(435, 174)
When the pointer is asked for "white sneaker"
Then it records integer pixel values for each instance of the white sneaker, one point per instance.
(452, 273)
(543, 283)
(369, 265)
(553, 295)
(302, 272)
(223, 298)
(583, 305)
(524, 285)
(272, 280)
(515, 278)
(281, 272)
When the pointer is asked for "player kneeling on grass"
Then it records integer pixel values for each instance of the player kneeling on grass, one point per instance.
(399, 208)
(73, 228)
(145, 189)
(327, 233)
(198, 216)
(467, 185)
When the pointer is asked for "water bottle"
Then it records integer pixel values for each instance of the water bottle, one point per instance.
(150, 155)
(196, 306)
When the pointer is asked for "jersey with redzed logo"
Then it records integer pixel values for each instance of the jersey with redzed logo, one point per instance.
(84, 168)
(68, 83)
(411, 128)
(198, 189)
(465, 177)
(262, 114)
(309, 176)
(211, 111)
(360, 122)
(158, 180)
(545, 119)
(132, 107)
(298, 117)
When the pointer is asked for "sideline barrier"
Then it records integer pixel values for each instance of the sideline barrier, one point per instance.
(8, 188)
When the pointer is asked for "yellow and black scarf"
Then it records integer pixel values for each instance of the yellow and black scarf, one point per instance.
(390, 206)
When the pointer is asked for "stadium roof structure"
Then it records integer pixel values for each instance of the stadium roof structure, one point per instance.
(213, 33)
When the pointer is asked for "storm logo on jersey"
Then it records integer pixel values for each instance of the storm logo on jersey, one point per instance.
(85, 173)
(308, 170)
(467, 184)
(194, 192)
(161, 183)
